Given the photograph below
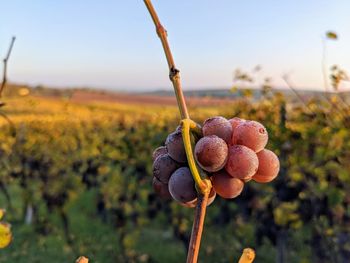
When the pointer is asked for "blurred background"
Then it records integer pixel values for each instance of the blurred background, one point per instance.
(88, 99)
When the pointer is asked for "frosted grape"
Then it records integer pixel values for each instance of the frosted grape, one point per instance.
(269, 167)
(242, 162)
(211, 153)
(225, 185)
(251, 134)
(218, 126)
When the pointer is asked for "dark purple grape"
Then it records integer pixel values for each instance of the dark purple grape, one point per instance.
(163, 167)
(159, 151)
(182, 186)
(211, 153)
(218, 126)
(160, 188)
(175, 146)
(179, 128)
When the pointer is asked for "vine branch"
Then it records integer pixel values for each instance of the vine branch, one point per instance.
(197, 228)
(5, 60)
(174, 73)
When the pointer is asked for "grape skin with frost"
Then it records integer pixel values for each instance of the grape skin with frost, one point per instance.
(163, 167)
(182, 186)
(160, 188)
(235, 122)
(218, 126)
(211, 153)
(242, 162)
(175, 146)
(251, 134)
(269, 166)
(159, 151)
(226, 186)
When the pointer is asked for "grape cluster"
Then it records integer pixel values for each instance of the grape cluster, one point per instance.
(231, 152)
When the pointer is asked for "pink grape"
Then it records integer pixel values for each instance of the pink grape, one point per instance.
(227, 186)
(159, 151)
(251, 134)
(163, 167)
(218, 126)
(182, 186)
(175, 146)
(211, 153)
(269, 167)
(161, 188)
(235, 122)
(242, 162)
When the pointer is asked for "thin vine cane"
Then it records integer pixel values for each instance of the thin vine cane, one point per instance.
(5, 60)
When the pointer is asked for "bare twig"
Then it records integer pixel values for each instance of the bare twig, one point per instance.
(291, 87)
(5, 60)
(174, 73)
(324, 66)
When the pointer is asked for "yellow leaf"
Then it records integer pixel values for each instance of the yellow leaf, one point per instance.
(2, 213)
(5, 235)
(331, 35)
(82, 260)
(248, 256)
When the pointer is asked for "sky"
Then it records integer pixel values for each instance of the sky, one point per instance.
(112, 43)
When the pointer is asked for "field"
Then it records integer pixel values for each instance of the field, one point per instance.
(76, 173)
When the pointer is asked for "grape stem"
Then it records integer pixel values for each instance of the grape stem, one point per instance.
(197, 228)
(174, 73)
(203, 186)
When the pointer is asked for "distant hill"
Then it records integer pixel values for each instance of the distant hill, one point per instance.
(164, 97)
(226, 93)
